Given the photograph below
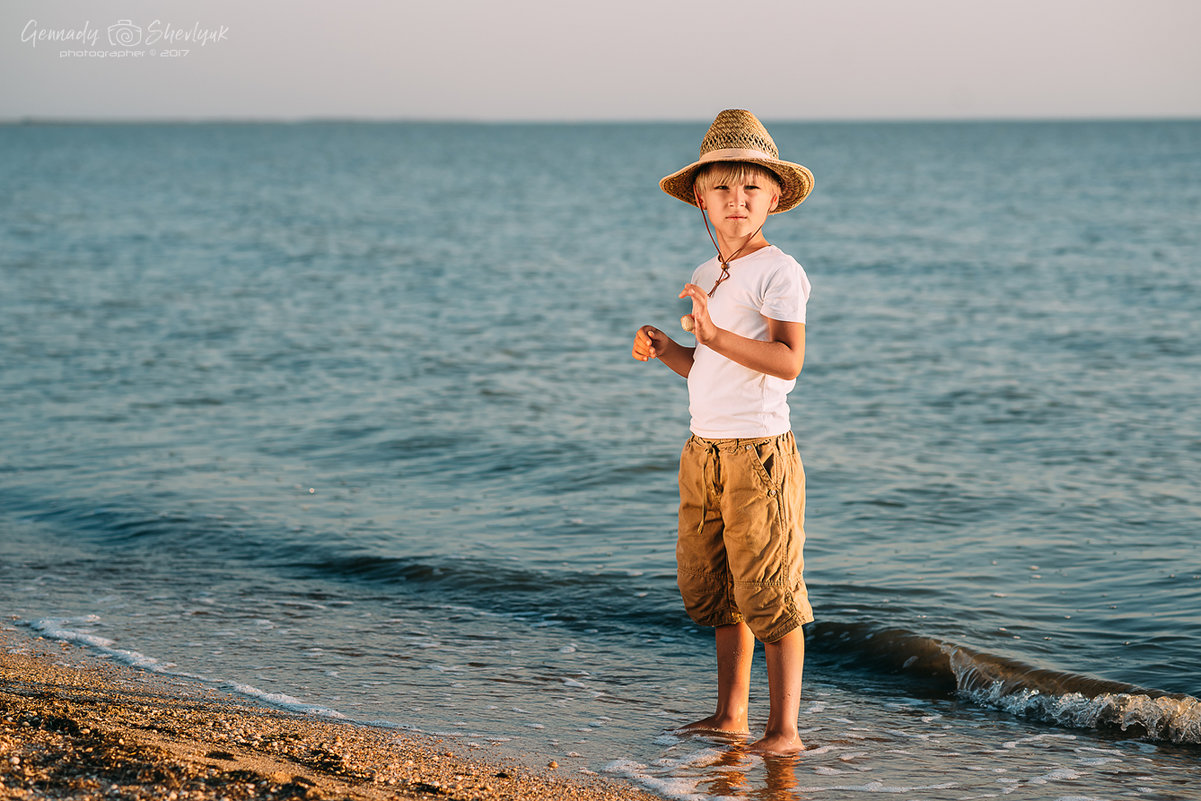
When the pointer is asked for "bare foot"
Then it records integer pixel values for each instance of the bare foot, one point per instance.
(717, 723)
(782, 744)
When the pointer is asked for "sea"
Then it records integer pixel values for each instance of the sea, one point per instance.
(341, 417)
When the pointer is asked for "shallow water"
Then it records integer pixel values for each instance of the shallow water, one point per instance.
(342, 417)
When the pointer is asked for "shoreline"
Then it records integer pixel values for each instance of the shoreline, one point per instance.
(72, 726)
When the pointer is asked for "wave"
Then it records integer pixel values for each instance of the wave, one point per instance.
(1062, 698)
(621, 602)
(125, 521)
(606, 602)
(612, 602)
(609, 601)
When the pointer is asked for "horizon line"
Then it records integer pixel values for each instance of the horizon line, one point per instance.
(30, 119)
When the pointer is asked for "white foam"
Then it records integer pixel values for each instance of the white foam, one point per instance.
(821, 749)
(283, 701)
(56, 629)
(52, 627)
(675, 789)
(1037, 738)
(1057, 775)
(1174, 719)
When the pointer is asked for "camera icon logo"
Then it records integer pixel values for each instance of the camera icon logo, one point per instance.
(123, 33)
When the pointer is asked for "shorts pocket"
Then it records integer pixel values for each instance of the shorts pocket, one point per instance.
(765, 462)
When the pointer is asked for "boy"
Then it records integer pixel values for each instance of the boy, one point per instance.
(742, 486)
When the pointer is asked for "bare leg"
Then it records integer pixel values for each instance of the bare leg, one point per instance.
(785, 665)
(735, 647)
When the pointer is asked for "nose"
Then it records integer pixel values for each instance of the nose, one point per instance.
(738, 196)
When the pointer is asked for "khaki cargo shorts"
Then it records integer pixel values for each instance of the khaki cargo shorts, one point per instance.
(742, 533)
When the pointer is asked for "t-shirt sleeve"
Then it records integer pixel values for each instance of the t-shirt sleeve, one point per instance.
(786, 293)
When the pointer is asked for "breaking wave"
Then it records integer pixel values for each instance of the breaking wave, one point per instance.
(1062, 698)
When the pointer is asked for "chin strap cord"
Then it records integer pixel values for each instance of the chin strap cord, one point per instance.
(725, 263)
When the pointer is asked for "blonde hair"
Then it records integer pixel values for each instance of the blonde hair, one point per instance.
(724, 173)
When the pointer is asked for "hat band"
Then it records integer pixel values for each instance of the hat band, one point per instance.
(735, 154)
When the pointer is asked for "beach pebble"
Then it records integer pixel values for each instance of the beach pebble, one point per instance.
(686, 322)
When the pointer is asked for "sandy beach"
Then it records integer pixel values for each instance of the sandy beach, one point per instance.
(72, 726)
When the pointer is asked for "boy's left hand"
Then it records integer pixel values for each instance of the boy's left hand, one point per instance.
(702, 324)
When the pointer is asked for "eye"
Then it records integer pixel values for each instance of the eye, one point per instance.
(751, 187)
(722, 187)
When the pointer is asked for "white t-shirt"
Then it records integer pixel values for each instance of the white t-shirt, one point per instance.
(726, 399)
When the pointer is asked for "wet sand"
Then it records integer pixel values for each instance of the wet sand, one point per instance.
(76, 727)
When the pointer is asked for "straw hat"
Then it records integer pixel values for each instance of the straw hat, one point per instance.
(737, 135)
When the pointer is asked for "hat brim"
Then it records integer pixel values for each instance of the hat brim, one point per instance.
(796, 182)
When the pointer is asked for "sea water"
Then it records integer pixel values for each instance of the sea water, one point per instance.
(342, 417)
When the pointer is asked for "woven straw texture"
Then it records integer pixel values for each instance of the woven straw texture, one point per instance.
(739, 128)
(742, 130)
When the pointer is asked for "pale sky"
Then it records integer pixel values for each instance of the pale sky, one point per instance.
(607, 60)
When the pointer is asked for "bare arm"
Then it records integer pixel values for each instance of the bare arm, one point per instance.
(782, 355)
(651, 343)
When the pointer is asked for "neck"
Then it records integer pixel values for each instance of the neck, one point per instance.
(740, 246)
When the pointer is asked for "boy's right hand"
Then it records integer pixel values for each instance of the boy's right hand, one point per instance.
(649, 343)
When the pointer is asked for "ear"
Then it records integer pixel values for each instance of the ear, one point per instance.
(699, 201)
(775, 201)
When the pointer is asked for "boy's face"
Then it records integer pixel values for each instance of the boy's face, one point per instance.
(739, 208)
